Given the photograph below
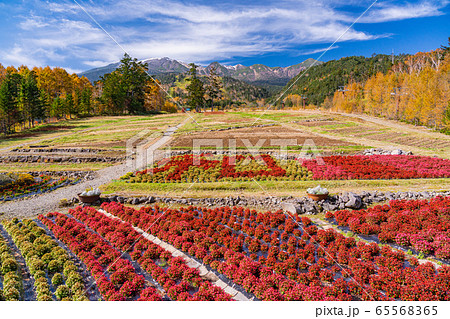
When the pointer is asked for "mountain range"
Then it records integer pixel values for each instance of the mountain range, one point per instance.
(257, 74)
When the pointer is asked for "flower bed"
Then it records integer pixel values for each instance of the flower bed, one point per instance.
(378, 167)
(115, 276)
(29, 187)
(178, 280)
(276, 258)
(204, 168)
(47, 262)
(423, 225)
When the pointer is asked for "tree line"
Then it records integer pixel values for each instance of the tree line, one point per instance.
(416, 90)
(33, 96)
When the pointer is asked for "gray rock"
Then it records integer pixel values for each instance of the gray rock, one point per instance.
(310, 208)
(354, 201)
(397, 152)
(329, 206)
(291, 208)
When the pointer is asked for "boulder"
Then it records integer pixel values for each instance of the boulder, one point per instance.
(291, 208)
(329, 206)
(354, 201)
(310, 208)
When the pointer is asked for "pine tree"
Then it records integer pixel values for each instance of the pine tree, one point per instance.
(214, 87)
(124, 88)
(196, 91)
(9, 110)
(29, 99)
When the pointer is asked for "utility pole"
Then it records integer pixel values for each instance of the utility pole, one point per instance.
(304, 97)
(397, 94)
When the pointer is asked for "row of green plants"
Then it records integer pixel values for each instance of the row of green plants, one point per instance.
(46, 260)
(10, 274)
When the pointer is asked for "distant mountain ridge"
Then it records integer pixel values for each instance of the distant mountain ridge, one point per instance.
(257, 74)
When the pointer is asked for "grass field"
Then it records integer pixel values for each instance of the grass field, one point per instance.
(91, 132)
(273, 188)
(332, 134)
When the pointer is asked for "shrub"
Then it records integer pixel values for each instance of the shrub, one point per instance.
(9, 265)
(62, 292)
(57, 280)
(39, 274)
(11, 294)
(73, 278)
(54, 266)
(44, 297)
(35, 265)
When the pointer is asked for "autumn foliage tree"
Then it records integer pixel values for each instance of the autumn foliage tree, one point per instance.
(416, 90)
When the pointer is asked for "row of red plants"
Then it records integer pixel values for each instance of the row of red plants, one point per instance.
(378, 167)
(277, 258)
(202, 168)
(179, 281)
(115, 276)
(420, 224)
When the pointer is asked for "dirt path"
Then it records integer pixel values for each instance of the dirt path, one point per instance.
(49, 202)
(396, 125)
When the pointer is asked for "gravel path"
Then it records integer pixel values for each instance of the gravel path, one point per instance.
(49, 202)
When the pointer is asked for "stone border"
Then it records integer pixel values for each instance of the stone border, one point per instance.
(295, 205)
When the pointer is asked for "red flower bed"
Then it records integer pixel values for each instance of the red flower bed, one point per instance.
(204, 168)
(115, 276)
(421, 224)
(378, 167)
(177, 280)
(274, 259)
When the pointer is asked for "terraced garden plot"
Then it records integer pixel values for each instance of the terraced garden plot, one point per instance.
(116, 260)
(279, 257)
(415, 141)
(54, 275)
(210, 168)
(260, 136)
(82, 131)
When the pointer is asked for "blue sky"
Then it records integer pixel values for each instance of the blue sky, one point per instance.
(275, 33)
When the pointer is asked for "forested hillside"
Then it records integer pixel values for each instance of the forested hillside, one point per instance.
(233, 92)
(321, 81)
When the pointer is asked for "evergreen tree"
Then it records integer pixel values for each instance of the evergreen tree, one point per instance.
(196, 91)
(69, 104)
(86, 101)
(30, 99)
(124, 88)
(9, 110)
(214, 87)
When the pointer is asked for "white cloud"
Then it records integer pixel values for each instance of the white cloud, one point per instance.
(314, 51)
(392, 12)
(61, 33)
